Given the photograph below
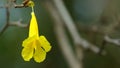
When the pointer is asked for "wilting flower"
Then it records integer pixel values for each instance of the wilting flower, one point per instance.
(35, 46)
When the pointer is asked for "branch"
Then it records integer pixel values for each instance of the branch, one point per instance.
(78, 40)
(62, 38)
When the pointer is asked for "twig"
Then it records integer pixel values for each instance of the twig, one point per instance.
(106, 40)
(20, 5)
(110, 40)
(19, 24)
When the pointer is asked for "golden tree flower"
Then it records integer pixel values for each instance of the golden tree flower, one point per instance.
(34, 46)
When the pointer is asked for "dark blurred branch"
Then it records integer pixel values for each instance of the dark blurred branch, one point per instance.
(7, 20)
(4, 28)
(102, 46)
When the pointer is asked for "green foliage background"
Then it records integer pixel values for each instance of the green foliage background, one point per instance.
(11, 40)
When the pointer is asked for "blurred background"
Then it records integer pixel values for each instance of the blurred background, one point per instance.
(95, 25)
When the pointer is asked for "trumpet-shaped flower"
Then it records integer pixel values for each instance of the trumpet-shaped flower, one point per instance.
(35, 46)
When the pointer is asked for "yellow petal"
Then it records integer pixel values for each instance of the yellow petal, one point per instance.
(33, 29)
(28, 40)
(44, 43)
(27, 52)
(39, 54)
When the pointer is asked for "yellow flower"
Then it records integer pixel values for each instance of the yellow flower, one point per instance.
(34, 46)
